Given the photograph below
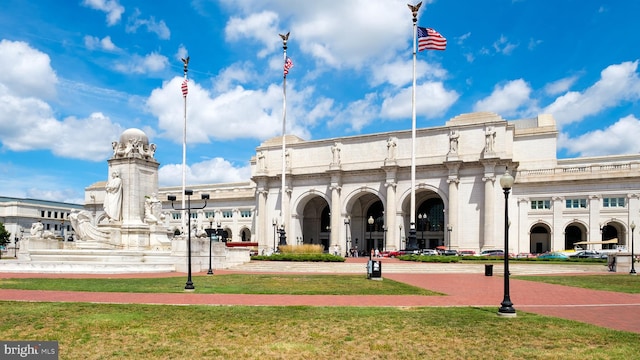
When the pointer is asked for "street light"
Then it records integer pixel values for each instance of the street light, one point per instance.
(506, 306)
(274, 222)
(422, 221)
(633, 259)
(370, 221)
(384, 237)
(189, 285)
(449, 228)
(210, 233)
(347, 221)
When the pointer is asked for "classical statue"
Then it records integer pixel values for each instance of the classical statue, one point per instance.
(453, 141)
(335, 151)
(152, 210)
(37, 229)
(489, 139)
(113, 197)
(391, 148)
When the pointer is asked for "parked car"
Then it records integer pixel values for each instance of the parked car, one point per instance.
(492, 252)
(525, 256)
(450, 252)
(429, 252)
(466, 253)
(586, 254)
(553, 255)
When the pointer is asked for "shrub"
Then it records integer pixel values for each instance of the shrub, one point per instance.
(302, 249)
(300, 257)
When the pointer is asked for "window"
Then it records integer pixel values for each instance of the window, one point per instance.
(176, 216)
(245, 213)
(576, 203)
(194, 215)
(540, 204)
(613, 202)
(227, 214)
(48, 214)
(41, 213)
(210, 214)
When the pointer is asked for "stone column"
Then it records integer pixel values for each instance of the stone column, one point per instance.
(262, 222)
(336, 217)
(489, 178)
(594, 218)
(452, 207)
(523, 239)
(390, 216)
(557, 237)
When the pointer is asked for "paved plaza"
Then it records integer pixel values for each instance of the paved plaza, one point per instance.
(464, 285)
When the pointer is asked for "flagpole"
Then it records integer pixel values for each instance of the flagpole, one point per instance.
(184, 143)
(412, 216)
(283, 239)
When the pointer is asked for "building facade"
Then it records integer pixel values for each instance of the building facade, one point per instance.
(354, 192)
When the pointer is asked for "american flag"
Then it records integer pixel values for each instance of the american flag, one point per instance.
(185, 88)
(288, 64)
(429, 39)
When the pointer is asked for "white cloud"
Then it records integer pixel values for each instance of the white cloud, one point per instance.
(26, 72)
(503, 46)
(212, 171)
(400, 72)
(159, 28)
(112, 7)
(617, 83)
(506, 99)
(236, 113)
(339, 35)
(619, 138)
(560, 86)
(149, 63)
(432, 100)
(92, 42)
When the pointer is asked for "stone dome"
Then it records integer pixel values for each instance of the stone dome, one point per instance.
(133, 133)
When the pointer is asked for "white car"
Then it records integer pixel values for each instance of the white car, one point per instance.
(429, 252)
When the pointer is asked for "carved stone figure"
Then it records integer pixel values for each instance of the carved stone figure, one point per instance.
(490, 138)
(113, 197)
(391, 148)
(335, 151)
(453, 141)
(37, 229)
(261, 161)
(152, 210)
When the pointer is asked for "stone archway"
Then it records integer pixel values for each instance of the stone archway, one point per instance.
(359, 207)
(574, 233)
(539, 239)
(315, 223)
(245, 234)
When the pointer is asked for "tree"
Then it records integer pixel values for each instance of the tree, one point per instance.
(5, 237)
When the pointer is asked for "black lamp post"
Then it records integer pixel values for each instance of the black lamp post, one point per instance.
(347, 221)
(506, 306)
(633, 259)
(283, 235)
(384, 237)
(274, 222)
(210, 233)
(422, 221)
(370, 222)
(189, 285)
(449, 228)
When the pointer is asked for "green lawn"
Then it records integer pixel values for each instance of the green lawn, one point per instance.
(620, 283)
(129, 331)
(227, 284)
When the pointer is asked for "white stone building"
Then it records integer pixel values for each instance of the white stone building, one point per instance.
(334, 186)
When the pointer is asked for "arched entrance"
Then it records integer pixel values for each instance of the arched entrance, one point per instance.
(315, 223)
(574, 233)
(245, 234)
(612, 231)
(430, 224)
(360, 207)
(539, 239)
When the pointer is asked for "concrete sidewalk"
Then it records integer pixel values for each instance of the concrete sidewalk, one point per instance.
(607, 309)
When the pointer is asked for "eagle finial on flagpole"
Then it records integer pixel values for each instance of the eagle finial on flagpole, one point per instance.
(186, 64)
(414, 9)
(285, 38)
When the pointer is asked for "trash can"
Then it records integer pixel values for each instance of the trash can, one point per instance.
(374, 270)
(488, 270)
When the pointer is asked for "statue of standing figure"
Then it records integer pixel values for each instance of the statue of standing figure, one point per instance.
(335, 151)
(113, 197)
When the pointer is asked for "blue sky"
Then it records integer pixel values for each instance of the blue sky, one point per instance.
(75, 74)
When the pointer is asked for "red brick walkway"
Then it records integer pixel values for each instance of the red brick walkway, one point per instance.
(607, 309)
